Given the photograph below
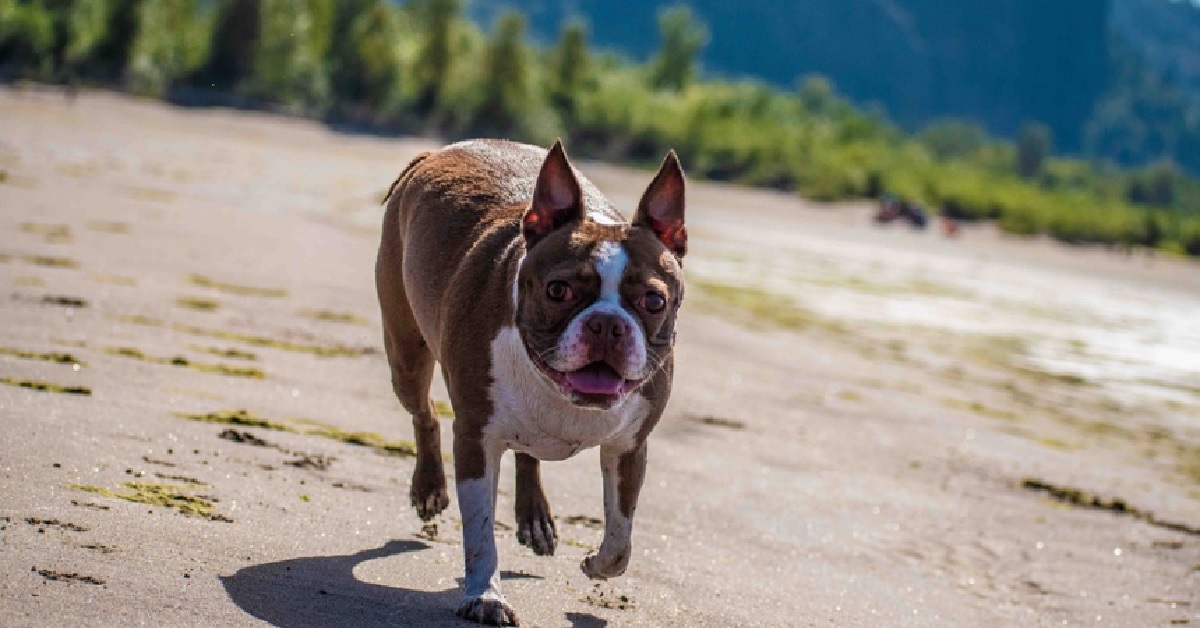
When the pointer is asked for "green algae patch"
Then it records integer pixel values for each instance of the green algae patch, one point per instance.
(138, 319)
(50, 261)
(1056, 443)
(335, 317)
(232, 288)
(54, 234)
(1176, 386)
(199, 304)
(307, 427)
(237, 417)
(64, 301)
(325, 351)
(65, 576)
(108, 226)
(57, 358)
(982, 410)
(443, 409)
(177, 497)
(144, 193)
(1012, 353)
(235, 354)
(1078, 498)
(759, 308)
(47, 386)
(716, 421)
(402, 448)
(219, 369)
(116, 280)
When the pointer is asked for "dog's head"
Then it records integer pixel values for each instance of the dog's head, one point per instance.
(597, 300)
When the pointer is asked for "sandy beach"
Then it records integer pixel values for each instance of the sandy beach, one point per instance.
(870, 426)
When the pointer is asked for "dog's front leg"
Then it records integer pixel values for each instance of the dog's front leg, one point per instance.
(477, 465)
(623, 469)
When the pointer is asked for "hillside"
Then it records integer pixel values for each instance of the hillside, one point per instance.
(998, 64)
(1166, 34)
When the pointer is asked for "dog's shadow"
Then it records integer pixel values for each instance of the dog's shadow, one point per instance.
(322, 591)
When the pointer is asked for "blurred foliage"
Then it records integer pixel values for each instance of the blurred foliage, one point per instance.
(1033, 146)
(569, 69)
(290, 56)
(423, 67)
(365, 68)
(171, 43)
(683, 37)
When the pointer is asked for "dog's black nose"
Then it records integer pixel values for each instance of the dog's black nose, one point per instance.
(605, 325)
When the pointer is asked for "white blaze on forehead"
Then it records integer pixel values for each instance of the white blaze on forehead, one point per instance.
(610, 265)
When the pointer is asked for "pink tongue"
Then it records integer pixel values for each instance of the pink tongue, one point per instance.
(595, 379)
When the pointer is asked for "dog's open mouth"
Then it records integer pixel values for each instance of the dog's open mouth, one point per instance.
(597, 383)
(597, 378)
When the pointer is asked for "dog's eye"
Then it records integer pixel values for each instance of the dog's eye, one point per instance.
(654, 302)
(558, 291)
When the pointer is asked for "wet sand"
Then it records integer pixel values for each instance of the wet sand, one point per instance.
(870, 426)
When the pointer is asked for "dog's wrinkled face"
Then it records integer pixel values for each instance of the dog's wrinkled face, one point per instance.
(596, 303)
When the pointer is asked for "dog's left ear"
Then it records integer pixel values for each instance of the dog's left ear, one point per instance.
(557, 199)
(661, 208)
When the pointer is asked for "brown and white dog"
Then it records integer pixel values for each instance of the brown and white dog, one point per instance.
(553, 320)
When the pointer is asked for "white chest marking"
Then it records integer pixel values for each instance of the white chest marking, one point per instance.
(532, 417)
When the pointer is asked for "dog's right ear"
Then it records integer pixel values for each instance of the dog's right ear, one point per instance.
(557, 198)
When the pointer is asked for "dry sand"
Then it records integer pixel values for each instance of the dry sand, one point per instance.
(870, 426)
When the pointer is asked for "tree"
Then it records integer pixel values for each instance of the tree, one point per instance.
(363, 65)
(289, 60)
(506, 78)
(683, 37)
(108, 58)
(27, 39)
(1033, 146)
(953, 139)
(437, 18)
(1153, 185)
(817, 95)
(570, 67)
(170, 44)
(235, 35)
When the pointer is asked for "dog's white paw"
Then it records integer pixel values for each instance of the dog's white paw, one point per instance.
(597, 567)
(486, 609)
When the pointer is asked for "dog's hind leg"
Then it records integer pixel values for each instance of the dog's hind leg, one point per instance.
(535, 525)
(411, 362)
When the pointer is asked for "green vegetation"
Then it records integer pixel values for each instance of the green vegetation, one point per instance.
(51, 262)
(173, 496)
(220, 369)
(232, 288)
(402, 448)
(224, 352)
(58, 358)
(1079, 498)
(198, 303)
(423, 67)
(46, 386)
(334, 317)
(754, 305)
